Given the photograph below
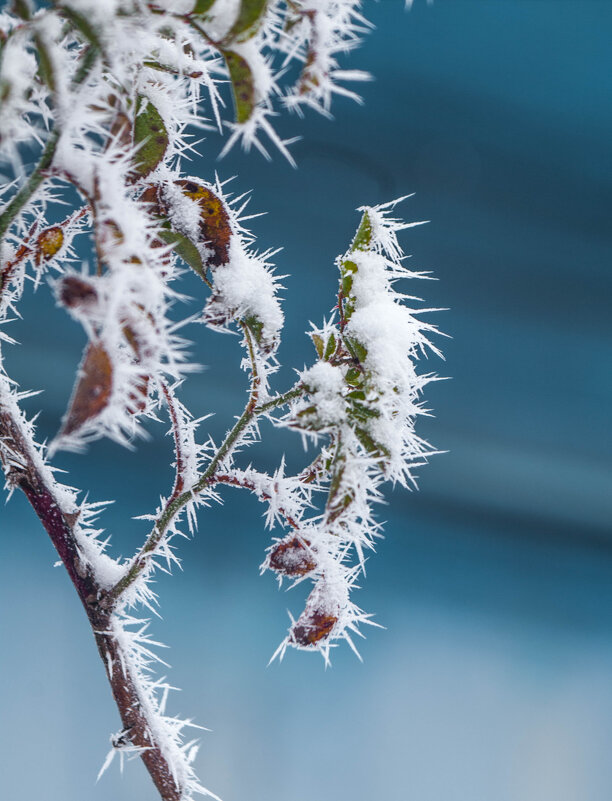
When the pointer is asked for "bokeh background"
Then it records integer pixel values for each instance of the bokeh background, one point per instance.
(493, 680)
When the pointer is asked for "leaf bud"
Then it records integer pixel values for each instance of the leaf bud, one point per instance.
(48, 244)
(312, 626)
(292, 557)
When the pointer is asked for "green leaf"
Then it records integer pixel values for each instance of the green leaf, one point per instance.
(348, 267)
(202, 6)
(257, 329)
(242, 84)
(251, 12)
(150, 134)
(353, 376)
(186, 250)
(370, 445)
(349, 308)
(319, 344)
(356, 349)
(331, 348)
(347, 285)
(338, 498)
(363, 413)
(361, 241)
(22, 9)
(335, 482)
(363, 237)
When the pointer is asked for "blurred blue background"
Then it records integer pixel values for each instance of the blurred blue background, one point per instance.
(493, 680)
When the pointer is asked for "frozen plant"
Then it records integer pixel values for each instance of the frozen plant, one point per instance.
(105, 92)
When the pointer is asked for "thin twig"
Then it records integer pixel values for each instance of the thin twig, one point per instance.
(179, 481)
(280, 400)
(233, 480)
(175, 503)
(35, 179)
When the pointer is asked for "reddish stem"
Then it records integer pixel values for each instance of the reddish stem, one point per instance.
(21, 471)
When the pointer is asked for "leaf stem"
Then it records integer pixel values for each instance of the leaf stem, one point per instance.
(177, 502)
(280, 400)
(31, 185)
(172, 508)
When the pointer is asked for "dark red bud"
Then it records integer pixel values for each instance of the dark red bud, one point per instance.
(292, 557)
(76, 292)
(313, 626)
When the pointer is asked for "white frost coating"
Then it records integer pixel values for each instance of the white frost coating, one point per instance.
(394, 338)
(326, 386)
(365, 393)
(139, 661)
(183, 211)
(220, 18)
(246, 287)
(20, 105)
(326, 29)
(98, 11)
(84, 514)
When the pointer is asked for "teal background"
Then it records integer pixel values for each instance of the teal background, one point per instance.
(493, 680)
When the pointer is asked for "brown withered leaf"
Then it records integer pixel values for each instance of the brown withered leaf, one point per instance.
(76, 292)
(313, 626)
(92, 390)
(151, 197)
(214, 221)
(138, 397)
(291, 557)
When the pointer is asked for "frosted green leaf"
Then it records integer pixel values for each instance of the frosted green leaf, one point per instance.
(186, 250)
(256, 327)
(356, 348)
(202, 6)
(150, 136)
(319, 344)
(371, 446)
(251, 12)
(363, 237)
(331, 348)
(242, 84)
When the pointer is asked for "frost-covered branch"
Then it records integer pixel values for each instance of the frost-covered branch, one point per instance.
(90, 571)
(98, 101)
